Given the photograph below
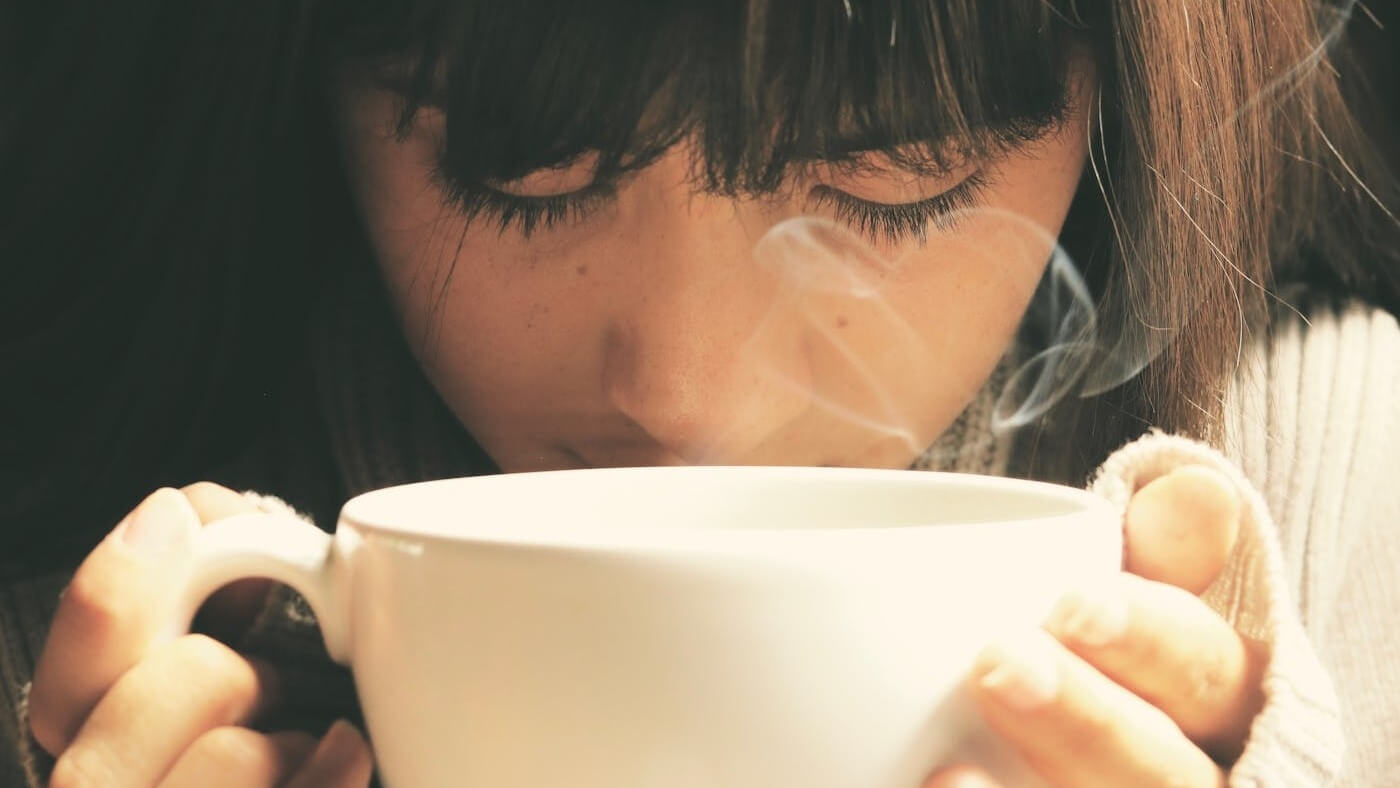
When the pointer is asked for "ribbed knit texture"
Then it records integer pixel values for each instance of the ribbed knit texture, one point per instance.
(1315, 425)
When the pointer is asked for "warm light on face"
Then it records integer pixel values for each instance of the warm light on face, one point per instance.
(844, 321)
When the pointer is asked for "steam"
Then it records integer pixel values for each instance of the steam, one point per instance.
(823, 269)
(1065, 314)
(1062, 349)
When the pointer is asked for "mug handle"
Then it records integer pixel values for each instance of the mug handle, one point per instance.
(278, 547)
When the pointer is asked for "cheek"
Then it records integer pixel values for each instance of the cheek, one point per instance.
(912, 353)
(977, 281)
(908, 355)
(490, 318)
(426, 256)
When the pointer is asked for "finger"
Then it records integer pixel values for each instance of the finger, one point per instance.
(1180, 528)
(962, 776)
(232, 757)
(342, 760)
(117, 604)
(155, 711)
(1169, 648)
(230, 610)
(1076, 727)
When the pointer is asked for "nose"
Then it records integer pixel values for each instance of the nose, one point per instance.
(702, 356)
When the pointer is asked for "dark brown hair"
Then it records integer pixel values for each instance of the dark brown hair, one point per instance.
(1230, 171)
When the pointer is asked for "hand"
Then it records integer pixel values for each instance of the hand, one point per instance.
(1138, 682)
(121, 705)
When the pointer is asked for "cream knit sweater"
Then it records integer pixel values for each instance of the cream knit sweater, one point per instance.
(1310, 441)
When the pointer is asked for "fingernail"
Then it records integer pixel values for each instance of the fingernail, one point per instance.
(157, 524)
(1024, 675)
(1090, 618)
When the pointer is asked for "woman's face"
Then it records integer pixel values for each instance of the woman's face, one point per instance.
(668, 325)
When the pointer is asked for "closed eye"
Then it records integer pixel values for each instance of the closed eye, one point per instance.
(898, 222)
(527, 213)
(893, 223)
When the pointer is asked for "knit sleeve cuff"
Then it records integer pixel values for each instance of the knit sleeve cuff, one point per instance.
(33, 760)
(1297, 737)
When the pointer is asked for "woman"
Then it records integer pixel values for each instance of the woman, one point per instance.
(554, 235)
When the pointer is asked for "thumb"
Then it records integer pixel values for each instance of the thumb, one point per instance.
(1181, 527)
(115, 608)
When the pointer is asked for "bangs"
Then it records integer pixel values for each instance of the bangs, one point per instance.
(758, 87)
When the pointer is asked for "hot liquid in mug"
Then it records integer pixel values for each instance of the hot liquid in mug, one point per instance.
(681, 627)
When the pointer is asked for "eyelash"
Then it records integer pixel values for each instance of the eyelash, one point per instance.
(527, 214)
(903, 221)
(877, 221)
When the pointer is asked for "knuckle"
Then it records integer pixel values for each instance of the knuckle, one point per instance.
(220, 674)
(202, 655)
(1208, 678)
(95, 603)
(226, 746)
(1102, 728)
(1212, 690)
(202, 649)
(1146, 649)
(1095, 729)
(79, 769)
(48, 728)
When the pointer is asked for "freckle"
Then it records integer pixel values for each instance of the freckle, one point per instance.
(582, 270)
(841, 321)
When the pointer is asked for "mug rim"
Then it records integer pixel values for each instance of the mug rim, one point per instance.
(360, 511)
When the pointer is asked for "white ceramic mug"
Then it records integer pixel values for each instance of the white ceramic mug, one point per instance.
(675, 627)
